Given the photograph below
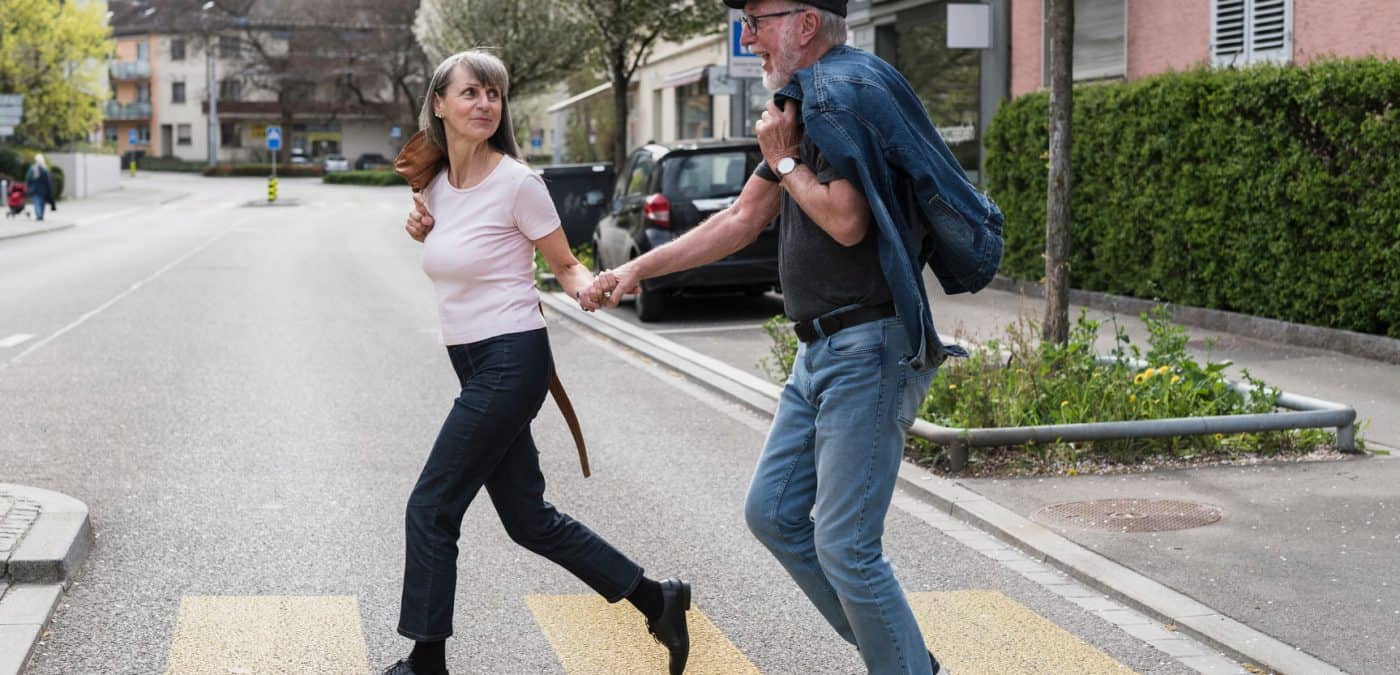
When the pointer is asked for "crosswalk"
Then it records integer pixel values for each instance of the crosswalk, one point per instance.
(974, 632)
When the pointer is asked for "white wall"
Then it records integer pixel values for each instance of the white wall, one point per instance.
(85, 175)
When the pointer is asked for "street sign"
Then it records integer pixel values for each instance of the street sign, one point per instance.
(395, 131)
(742, 62)
(11, 109)
(969, 26)
(7, 131)
(274, 138)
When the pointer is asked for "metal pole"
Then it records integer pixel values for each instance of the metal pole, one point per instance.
(213, 103)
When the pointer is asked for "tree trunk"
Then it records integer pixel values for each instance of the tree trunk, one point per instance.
(1057, 204)
(619, 91)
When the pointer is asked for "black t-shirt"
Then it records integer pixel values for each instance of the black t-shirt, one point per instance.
(818, 274)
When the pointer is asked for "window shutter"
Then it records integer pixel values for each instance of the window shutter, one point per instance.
(1245, 32)
(1100, 49)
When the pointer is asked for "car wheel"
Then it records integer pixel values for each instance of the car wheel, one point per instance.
(651, 304)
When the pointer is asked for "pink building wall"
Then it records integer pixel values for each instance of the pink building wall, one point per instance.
(1175, 35)
(1350, 28)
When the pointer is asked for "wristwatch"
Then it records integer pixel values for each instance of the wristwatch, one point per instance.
(786, 166)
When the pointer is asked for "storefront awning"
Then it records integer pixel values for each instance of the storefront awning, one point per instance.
(684, 77)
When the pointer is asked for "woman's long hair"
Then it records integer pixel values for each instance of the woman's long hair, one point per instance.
(491, 72)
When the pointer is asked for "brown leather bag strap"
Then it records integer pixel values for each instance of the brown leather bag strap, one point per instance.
(561, 398)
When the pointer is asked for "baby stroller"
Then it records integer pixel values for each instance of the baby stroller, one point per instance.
(15, 199)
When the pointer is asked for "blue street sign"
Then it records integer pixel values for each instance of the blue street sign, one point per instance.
(131, 137)
(395, 131)
(741, 61)
(274, 138)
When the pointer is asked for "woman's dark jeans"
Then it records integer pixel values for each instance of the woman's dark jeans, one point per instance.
(486, 441)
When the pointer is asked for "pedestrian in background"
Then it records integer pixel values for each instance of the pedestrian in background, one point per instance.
(39, 185)
(493, 214)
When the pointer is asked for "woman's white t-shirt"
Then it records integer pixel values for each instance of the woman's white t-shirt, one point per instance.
(479, 253)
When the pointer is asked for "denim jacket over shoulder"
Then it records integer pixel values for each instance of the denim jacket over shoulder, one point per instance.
(873, 129)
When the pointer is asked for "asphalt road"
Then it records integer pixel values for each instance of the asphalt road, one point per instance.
(243, 396)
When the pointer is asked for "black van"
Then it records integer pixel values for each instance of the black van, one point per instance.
(661, 193)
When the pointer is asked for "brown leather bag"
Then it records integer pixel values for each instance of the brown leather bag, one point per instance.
(419, 162)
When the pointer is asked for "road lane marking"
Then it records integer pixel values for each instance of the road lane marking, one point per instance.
(268, 634)
(984, 632)
(15, 340)
(591, 636)
(134, 287)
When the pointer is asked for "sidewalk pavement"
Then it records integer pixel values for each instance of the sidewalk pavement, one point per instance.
(44, 539)
(136, 193)
(1303, 553)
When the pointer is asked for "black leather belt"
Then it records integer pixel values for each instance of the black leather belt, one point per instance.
(830, 325)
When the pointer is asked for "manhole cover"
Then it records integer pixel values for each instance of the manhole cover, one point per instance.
(1128, 515)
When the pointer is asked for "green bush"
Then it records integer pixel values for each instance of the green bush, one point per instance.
(375, 177)
(174, 164)
(15, 162)
(1272, 191)
(263, 170)
(11, 163)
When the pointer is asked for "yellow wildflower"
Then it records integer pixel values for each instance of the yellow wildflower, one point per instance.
(1064, 403)
(1139, 379)
(1072, 471)
(1220, 437)
(1132, 398)
(952, 386)
(1163, 370)
(1176, 378)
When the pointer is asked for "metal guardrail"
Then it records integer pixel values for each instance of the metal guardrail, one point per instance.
(1304, 413)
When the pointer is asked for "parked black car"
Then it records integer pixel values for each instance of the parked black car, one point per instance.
(664, 191)
(580, 194)
(372, 160)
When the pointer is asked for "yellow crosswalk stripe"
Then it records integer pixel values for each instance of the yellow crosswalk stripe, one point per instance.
(229, 635)
(591, 636)
(985, 632)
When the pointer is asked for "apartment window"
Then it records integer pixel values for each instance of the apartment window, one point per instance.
(143, 93)
(694, 111)
(1100, 40)
(1243, 32)
(177, 92)
(177, 49)
(143, 51)
(230, 135)
(230, 90)
(229, 47)
(184, 134)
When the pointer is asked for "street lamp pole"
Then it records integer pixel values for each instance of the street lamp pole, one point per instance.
(213, 86)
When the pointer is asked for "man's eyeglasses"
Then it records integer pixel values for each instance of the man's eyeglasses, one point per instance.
(751, 21)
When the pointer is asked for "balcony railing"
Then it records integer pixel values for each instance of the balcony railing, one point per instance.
(128, 111)
(131, 70)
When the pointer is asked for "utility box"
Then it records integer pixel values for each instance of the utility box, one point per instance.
(581, 193)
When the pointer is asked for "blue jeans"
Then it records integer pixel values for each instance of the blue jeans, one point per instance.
(38, 208)
(486, 442)
(824, 483)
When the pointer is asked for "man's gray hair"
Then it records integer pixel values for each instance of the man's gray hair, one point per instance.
(833, 28)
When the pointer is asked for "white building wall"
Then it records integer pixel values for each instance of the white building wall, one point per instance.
(192, 72)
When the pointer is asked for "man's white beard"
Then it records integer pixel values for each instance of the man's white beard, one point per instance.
(783, 63)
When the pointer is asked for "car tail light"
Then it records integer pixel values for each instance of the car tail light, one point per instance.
(657, 212)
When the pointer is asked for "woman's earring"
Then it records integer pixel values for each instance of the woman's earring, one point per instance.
(439, 115)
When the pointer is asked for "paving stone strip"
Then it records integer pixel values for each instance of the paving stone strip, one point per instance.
(17, 515)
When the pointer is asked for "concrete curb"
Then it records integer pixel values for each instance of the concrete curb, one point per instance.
(1360, 345)
(32, 232)
(38, 571)
(1094, 570)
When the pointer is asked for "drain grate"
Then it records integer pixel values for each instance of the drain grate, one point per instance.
(1128, 515)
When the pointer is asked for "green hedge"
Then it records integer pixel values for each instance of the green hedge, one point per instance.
(174, 164)
(1272, 191)
(364, 178)
(264, 170)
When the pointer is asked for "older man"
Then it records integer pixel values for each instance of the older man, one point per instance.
(853, 183)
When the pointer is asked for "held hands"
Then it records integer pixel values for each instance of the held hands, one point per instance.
(778, 133)
(608, 288)
(420, 222)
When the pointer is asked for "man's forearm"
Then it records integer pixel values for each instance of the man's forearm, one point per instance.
(837, 215)
(720, 236)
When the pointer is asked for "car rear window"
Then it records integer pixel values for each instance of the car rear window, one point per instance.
(708, 175)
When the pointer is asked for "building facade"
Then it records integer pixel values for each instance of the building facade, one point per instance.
(164, 69)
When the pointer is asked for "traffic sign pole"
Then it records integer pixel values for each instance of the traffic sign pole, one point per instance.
(274, 143)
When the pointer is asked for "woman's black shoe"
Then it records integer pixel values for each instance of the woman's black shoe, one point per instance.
(405, 667)
(670, 629)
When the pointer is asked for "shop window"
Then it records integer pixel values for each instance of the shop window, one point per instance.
(947, 81)
(230, 135)
(694, 111)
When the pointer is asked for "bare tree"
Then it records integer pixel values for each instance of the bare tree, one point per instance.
(1057, 206)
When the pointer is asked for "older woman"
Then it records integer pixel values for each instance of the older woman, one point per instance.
(493, 212)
